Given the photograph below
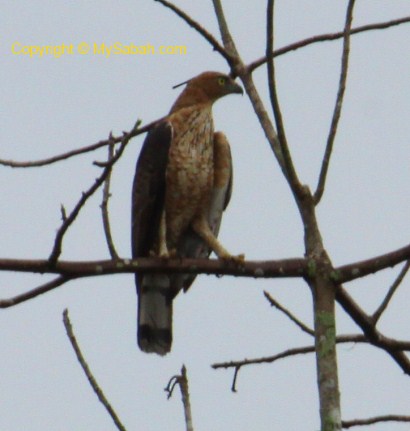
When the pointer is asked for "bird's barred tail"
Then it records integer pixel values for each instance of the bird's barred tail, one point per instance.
(155, 315)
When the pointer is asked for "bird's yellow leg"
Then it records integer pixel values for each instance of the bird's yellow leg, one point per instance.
(201, 227)
(163, 250)
(162, 237)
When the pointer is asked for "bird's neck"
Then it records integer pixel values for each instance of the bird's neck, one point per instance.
(191, 97)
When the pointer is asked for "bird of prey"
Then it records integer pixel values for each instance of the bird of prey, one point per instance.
(182, 184)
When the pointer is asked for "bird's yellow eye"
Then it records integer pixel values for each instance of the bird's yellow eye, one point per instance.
(221, 80)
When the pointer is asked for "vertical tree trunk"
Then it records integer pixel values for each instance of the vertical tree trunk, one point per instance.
(324, 296)
(326, 357)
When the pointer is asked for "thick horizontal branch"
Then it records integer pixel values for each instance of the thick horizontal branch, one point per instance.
(350, 272)
(282, 268)
(256, 269)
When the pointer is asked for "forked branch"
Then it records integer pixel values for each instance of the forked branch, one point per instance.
(68, 220)
(182, 381)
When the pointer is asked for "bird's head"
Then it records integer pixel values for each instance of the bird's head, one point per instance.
(206, 88)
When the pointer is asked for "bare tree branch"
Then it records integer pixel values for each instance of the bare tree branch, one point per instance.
(338, 106)
(360, 269)
(237, 365)
(91, 379)
(326, 38)
(182, 381)
(239, 69)
(290, 168)
(390, 346)
(375, 420)
(83, 150)
(295, 320)
(266, 359)
(198, 27)
(104, 207)
(227, 39)
(296, 267)
(44, 288)
(255, 269)
(57, 248)
(377, 314)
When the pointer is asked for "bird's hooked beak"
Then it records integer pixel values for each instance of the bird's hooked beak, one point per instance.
(235, 88)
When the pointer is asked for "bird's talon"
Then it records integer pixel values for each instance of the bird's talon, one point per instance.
(239, 259)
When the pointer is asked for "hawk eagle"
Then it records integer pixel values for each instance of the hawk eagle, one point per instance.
(182, 185)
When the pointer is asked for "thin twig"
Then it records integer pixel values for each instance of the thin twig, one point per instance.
(375, 420)
(237, 365)
(183, 384)
(91, 379)
(57, 158)
(290, 168)
(182, 381)
(264, 119)
(44, 288)
(265, 360)
(325, 38)
(198, 27)
(380, 310)
(342, 339)
(338, 105)
(63, 213)
(227, 38)
(235, 379)
(274, 303)
(104, 208)
(83, 150)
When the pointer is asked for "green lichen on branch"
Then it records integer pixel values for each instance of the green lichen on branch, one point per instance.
(311, 267)
(328, 341)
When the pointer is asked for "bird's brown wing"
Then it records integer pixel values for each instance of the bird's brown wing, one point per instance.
(148, 192)
(191, 244)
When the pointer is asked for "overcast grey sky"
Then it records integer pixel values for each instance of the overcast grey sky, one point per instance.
(52, 105)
